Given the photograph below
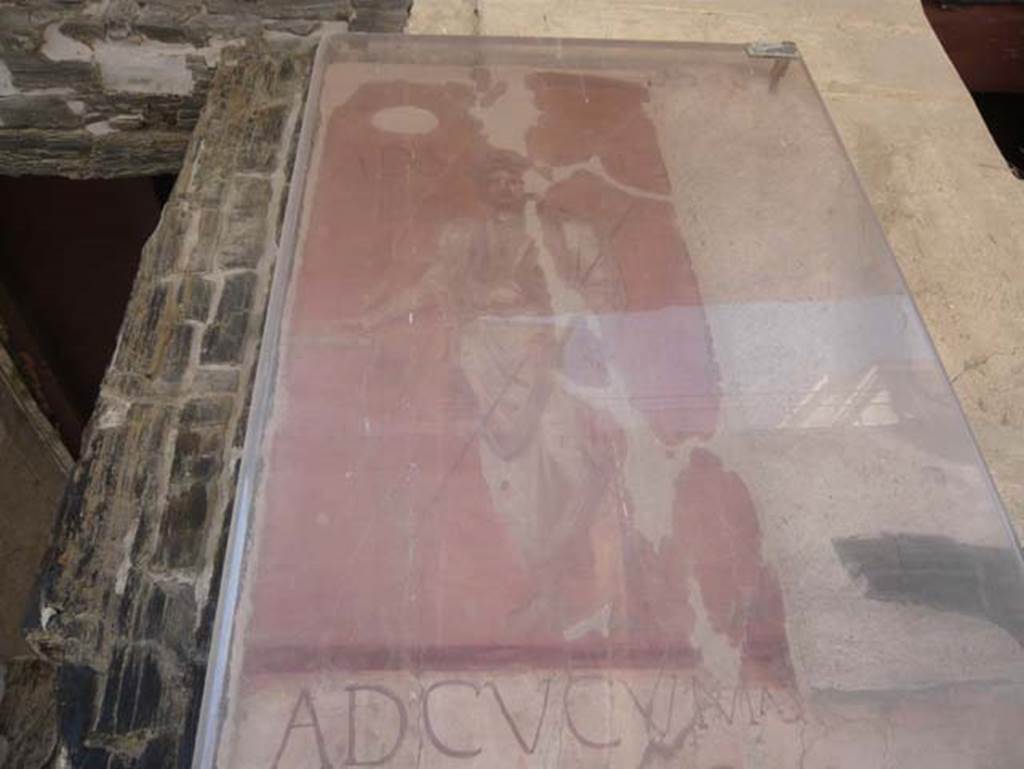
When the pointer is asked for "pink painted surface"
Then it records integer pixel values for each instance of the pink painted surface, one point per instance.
(423, 335)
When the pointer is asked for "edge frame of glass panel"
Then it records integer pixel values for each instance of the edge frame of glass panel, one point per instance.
(214, 704)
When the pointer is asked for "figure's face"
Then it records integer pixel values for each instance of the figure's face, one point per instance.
(503, 190)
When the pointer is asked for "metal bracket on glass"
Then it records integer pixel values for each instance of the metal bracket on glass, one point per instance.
(773, 50)
(782, 52)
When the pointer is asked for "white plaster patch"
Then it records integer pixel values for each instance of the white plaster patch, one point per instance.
(126, 122)
(59, 47)
(115, 411)
(100, 128)
(96, 9)
(511, 114)
(47, 613)
(211, 54)
(123, 569)
(76, 106)
(6, 82)
(148, 68)
(405, 119)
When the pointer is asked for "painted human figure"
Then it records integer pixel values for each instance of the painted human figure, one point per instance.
(548, 459)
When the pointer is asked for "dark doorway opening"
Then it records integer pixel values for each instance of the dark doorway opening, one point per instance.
(985, 42)
(1004, 115)
(69, 252)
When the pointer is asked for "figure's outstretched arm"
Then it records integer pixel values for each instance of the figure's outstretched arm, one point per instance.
(433, 287)
(397, 306)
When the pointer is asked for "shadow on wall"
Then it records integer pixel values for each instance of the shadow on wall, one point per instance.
(941, 574)
(69, 251)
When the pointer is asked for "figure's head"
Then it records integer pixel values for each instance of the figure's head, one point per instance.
(499, 175)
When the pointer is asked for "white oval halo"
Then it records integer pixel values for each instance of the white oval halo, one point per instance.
(405, 120)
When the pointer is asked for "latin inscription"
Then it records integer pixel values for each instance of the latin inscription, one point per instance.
(515, 720)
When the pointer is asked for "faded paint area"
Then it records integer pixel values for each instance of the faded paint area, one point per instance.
(930, 167)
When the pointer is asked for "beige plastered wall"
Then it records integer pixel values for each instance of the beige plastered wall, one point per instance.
(951, 208)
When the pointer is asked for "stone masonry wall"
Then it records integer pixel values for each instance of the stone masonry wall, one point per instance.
(127, 603)
(115, 87)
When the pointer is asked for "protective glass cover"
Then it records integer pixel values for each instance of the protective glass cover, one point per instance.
(594, 426)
